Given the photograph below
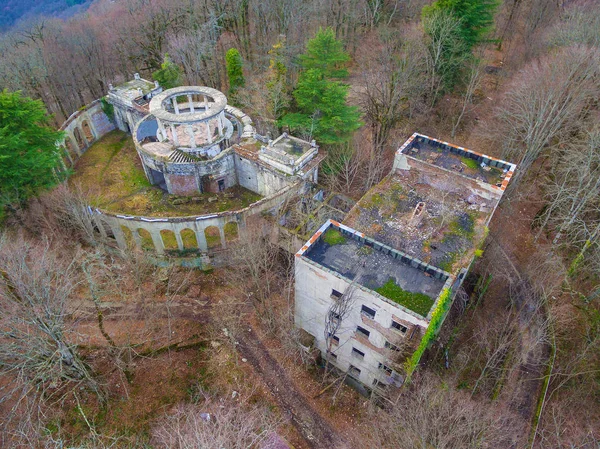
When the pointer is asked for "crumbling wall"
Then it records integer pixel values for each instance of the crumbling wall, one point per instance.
(82, 129)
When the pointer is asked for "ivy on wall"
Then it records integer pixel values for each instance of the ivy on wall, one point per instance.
(437, 318)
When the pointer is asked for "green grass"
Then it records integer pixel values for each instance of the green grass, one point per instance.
(470, 163)
(417, 302)
(448, 261)
(111, 176)
(333, 237)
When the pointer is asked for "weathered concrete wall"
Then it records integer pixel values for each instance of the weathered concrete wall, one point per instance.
(312, 302)
(82, 129)
(112, 224)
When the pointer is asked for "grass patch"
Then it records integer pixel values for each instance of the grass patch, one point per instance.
(333, 237)
(463, 225)
(448, 261)
(213, 237)
(417, 302)
(470, 163)
(111, 175)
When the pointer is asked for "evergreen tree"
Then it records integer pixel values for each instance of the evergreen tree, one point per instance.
(476, 16)
(169, 74)
(28, 151)
(321, 108)
(235, 73)
(325, 53)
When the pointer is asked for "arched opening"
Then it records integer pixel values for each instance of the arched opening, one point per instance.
(128, 236)
(213, 237)
(231, 231)
(189, 239)
(87, 131)
(79, 139)
(169, 240)
(146, 239)
(71, 149)
(66, 157)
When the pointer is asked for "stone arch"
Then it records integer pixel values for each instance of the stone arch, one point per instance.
(66, 156)
(145, 239)
(169, 240)
(88, 132)
(128, 236)
(231, 231)
(71, 146)
(81, 144)
(213, 237)
(188, 237)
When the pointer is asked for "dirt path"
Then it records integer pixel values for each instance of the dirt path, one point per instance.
(312, 426)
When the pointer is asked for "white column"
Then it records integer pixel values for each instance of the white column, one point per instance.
(161, 128)
(208, 133)
(205, 104)
(174, 134)
(190, 102)
(220, 123)
(190, 132)
(175, 105)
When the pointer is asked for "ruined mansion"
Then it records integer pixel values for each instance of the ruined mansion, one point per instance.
(374, 272)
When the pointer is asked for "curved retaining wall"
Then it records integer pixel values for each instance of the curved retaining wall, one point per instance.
(89, 124)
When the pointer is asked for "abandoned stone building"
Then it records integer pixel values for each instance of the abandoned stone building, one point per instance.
(131, 101)
(366, 290)
(191, 142)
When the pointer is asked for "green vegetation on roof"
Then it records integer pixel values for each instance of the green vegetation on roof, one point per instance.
(333, 237)
(417, 302)
(470, 163)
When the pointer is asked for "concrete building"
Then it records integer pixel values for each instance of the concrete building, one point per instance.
(193, 142)
(363, 337)
(366, 290)
(131, 101)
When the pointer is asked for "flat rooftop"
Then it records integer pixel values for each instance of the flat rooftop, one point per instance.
(413, 285)
(111, 176)
(436, 226)
(460, 160)
(435, 208)
(129, 90)
(291, 146)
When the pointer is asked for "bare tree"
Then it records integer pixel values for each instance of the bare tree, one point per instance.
(38, 348)
(573, 191)
(473, 82)
(217, 424)
(430, 414)
(392, 84)
(546, 102)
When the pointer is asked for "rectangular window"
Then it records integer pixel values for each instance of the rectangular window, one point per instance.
(385, 368)
(399, 327)
(391, 346)
(335, 317)
(379, 384)
(353, 371)
(332, 356)
(363, 331)
(334, 339)
(357, 353)
(335, 294)
(368, 312)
